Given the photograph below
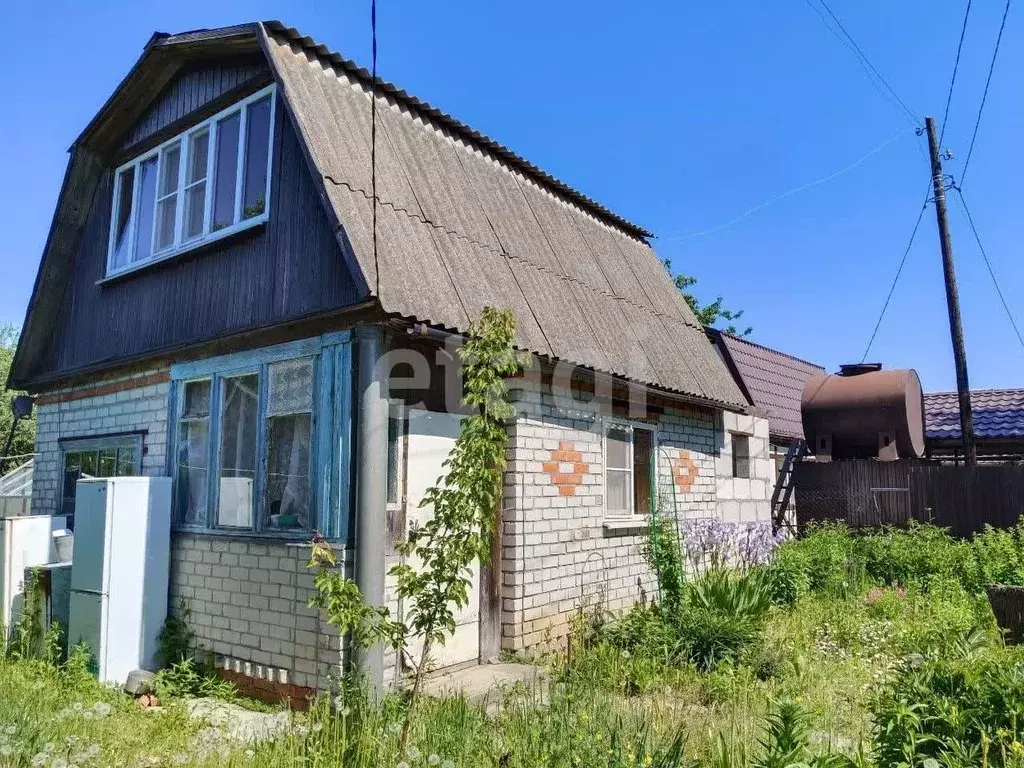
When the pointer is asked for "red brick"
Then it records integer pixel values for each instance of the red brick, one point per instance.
(561, 479)
(580, 468)
(567, 490)
(550, 467)
(570, 457)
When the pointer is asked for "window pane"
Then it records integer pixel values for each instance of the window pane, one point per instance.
(166, 212)
(108, 463)
(195, 202)
(193, 460)
(396, 430)
(147, 200)
(290, 388)
(740, 456)
(196, 400)
(257, 148)
(169, 169)
(125, 188)
(89, 462)
(226, 174)
(198, 149)
(238, 451)
(126, 462)
(643, 446)
(617, 448)
(619, 492)
(288, 482)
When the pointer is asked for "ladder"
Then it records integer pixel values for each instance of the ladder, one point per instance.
(784, 483)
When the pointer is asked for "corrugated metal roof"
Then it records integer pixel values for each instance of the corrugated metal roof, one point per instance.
(463, 223)
(774, 381)
(997, 414)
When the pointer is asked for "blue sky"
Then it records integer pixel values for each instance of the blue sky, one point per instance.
(679, 116)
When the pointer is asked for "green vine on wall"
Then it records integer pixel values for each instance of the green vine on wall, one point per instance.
(459, 532)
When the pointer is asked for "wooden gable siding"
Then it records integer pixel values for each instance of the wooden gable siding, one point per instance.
(291, 267)
(192, 90)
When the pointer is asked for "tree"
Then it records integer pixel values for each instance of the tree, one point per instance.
(25, 433)
(708, 314)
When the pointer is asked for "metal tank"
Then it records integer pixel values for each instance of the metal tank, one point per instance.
(864, 412)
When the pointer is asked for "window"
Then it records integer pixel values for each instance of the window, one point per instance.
(629, 469)
(206, 183)
(113, 456)
(245, 447)
(397, 428)
(740, 455)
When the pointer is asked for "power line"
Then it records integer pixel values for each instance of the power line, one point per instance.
(988, 264)
(771, 201)
(984, 94)
(874, 75)
(896, 279)
(956, 66)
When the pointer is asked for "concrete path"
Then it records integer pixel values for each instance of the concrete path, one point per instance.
(484, 684)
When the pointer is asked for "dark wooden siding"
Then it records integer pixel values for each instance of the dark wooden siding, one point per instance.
(289, 268)
(192, 90)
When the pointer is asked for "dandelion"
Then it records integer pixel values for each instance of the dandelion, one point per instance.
(434, 759)
(179, 759)
(402, 764)
(59, 762)
(10, 729)
(39, 759)
(346, 711)
(101, 708)
(249, 754)
(413, 753)
(88, 714)
(72, 740)
(48, 747)
(6, 750)
(77, 706)
(447, 764)
(317, 727)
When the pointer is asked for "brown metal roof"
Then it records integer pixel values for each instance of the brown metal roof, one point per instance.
(773, 380)
(462, 223)
(998, 414)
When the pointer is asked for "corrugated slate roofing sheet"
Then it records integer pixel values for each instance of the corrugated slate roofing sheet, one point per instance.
(462, 223)
(774, 380)
(997, 414)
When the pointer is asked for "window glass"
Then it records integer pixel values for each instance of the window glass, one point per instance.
(643, 448)
(167, 195)
(96, 457)
(238, 444)
(396, 433)
(257, 149)
(125, 191)
(740, 456)
(618, 448)
(195, 183)
(226, 174)
(618, 472)
(144, 216)
(289, 436)
(193, 452)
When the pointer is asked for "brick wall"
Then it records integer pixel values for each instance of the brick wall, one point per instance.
(745, 499)
(557, 545)
(126, 404)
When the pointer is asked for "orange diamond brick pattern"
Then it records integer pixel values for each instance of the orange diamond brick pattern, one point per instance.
(684, 471)
(566, 468)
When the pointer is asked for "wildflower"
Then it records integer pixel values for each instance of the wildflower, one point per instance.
(179, 759)
(72, 740)
(249, 754)
(6, 750)
(346, 711)
(434, 759)
(88, 714)
(317, 727)
(48, 747)
(402, 764)
(10, 729)
(413, 753)
(77, 706)
(93, 750)
(447, 764)
(40, 759)
(59, 762)
(101, 708)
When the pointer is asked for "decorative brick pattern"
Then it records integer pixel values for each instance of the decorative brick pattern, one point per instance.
(684, 471)
(566, 468)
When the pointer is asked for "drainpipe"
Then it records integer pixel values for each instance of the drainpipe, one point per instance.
(371, 486)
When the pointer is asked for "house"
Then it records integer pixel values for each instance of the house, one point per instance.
(220, 301)
(998, 418)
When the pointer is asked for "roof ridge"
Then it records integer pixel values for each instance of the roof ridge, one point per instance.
(468, 133)
(766, 348)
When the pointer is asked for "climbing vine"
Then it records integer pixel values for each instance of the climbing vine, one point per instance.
(459, 532)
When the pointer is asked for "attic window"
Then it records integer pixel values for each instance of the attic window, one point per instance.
(209, 182)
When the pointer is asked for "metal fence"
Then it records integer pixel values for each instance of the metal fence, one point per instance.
(875, 493)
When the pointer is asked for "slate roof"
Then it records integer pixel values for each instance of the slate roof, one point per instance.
(462, 222)
(998, 414)
(772, 380)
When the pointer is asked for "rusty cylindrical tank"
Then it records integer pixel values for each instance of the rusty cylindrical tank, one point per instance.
(855, 406)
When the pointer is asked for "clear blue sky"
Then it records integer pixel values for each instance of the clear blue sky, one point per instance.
(679, 116)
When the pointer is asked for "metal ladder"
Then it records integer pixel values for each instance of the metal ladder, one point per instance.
(784, 483)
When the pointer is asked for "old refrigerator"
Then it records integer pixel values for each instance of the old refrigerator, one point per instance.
(25, 542)
(119, 572)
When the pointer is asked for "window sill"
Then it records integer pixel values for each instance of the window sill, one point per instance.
(634, 523)
(187, 250)
(285, 538)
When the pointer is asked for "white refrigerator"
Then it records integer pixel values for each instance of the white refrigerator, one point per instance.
(25, 542)
(120, 571)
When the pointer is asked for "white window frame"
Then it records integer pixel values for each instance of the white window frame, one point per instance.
(629, 426)
(181, 244)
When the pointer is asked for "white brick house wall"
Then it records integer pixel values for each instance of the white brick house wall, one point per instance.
(557, 549)
(745, 499)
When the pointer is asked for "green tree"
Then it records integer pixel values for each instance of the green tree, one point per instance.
(708, 314)
(25, 434)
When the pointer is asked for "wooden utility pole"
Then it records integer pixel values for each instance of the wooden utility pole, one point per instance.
(956, 330)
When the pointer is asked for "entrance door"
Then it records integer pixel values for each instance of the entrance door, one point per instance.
(431, 437)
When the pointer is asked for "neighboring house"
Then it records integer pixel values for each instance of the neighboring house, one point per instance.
(212, 304)
(772, 382)
(998, 416)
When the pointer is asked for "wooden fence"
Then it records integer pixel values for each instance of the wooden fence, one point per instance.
(873, 493)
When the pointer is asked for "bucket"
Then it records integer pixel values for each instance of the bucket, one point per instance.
(64, 543)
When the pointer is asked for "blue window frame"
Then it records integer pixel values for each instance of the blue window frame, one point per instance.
(260, 440)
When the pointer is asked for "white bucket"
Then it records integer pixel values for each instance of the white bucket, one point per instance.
(64, 543)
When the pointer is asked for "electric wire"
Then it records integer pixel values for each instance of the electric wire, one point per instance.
(896, 279)
(984, 94)
(872, 72)
(772, 200)
(988, 264)
(956, 66)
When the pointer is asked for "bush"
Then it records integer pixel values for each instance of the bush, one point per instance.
(719, 591)
(963, 708)
(999, 555)
(707, 638)
(788, 575)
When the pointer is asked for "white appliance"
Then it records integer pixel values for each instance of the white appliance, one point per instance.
(119, 571)
(25, 542)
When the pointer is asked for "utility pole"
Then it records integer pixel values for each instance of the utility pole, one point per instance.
(956, 330)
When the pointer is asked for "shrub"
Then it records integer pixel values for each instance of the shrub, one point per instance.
(915, 556)
(829, 550)
(788, 575)
(707, 638)
(999, 555)
(963, 708)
